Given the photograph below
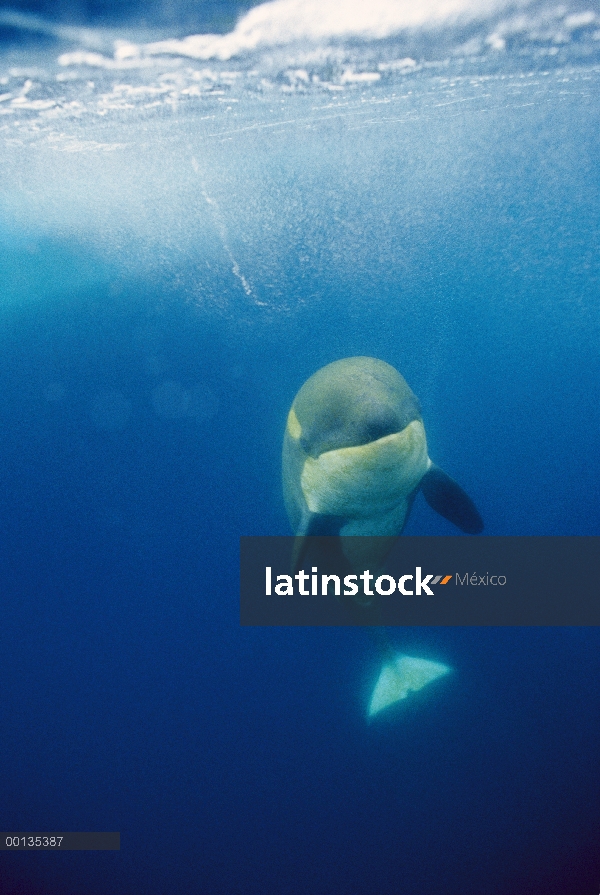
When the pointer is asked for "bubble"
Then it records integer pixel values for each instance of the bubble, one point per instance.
(54, 392)
(110, 411)
(170, 400)
(147, 342)
(154, 364)
(236, 371)
(116, 289)
(204, 403)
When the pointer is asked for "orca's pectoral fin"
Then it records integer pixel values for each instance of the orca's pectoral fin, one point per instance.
(447, 498)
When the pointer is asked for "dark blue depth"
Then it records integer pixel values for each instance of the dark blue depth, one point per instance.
(141, 421)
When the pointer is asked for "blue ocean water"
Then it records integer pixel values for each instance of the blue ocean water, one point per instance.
(186, 234)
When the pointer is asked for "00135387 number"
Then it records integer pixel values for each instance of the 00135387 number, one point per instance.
(34, 841)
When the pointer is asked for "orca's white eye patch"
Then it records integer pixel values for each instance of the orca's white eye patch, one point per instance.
(293, 426)
(366, 480)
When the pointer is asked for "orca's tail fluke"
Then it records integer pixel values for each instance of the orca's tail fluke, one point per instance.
(401, 675)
